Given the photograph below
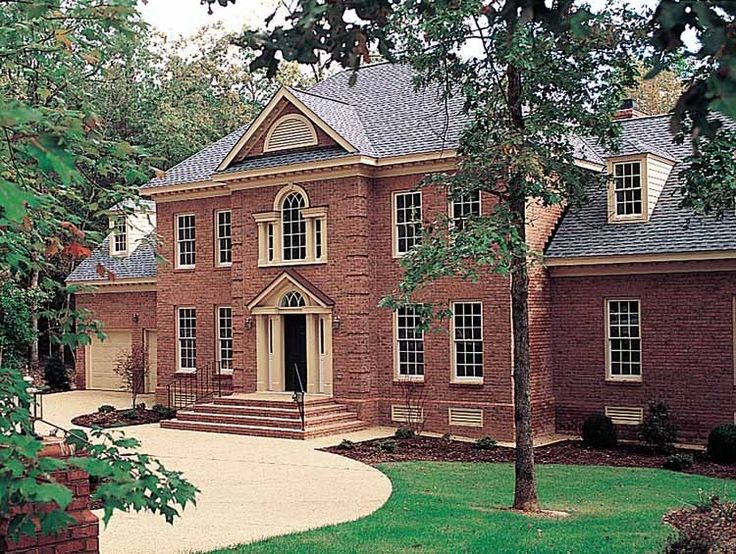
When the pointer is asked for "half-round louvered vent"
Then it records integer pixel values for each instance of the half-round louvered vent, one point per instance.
(291, 131)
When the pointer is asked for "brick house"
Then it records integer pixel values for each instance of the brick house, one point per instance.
(278, 241)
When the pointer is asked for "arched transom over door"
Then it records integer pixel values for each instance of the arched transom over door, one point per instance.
(293, 336)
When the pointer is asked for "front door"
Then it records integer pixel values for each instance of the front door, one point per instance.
(295, 352)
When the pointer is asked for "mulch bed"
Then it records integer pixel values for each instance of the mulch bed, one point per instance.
(707, 528)
(567, 452)
(118, 418)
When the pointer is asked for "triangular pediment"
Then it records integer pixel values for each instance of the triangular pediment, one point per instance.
(285, 123)
(279, 292)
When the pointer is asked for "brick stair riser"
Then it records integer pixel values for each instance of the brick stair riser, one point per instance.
(271, 433)
(265, 421)
(270, 412)
(251, 402)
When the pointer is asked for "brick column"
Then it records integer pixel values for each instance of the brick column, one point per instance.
(81, 537)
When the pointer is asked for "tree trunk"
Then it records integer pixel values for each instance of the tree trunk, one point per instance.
(34, 322)
(525, 492)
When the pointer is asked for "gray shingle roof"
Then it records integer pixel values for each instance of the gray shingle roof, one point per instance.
(670, 229)
(138, 265)
(287, 158)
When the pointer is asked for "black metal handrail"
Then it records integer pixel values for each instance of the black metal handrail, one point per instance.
(203, 384)
(298, 396)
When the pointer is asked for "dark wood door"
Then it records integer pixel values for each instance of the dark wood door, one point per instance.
(295, 351)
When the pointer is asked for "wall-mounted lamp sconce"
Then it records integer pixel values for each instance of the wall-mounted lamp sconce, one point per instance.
(249, 322)
(136, 317)
(336, 322)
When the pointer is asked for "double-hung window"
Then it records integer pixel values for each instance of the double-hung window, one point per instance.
(407, 221)
(225, 337)
(409, 343)
(223, 238)
(465, 208)
(120, 235)
(623, 339)
(186, 331)
(185, 241)
(467, 326)
(294, 228)
(627, 190)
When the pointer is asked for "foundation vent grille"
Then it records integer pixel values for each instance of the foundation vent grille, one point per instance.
(465, 417)
(406, 414)
(623, 415)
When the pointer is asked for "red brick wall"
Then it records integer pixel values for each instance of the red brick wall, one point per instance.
(687, 347)
(116, 310)
(80, 537)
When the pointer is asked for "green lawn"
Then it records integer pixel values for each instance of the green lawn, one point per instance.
(451, 507)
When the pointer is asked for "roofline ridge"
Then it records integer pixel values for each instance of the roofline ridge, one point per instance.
(320, 96)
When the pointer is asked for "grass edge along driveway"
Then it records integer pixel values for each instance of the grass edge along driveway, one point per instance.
(457, 507)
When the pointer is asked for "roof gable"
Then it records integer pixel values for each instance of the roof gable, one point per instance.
(284, 102)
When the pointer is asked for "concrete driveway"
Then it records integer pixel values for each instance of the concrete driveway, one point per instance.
(252, 487)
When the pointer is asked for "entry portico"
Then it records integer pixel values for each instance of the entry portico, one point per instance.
(293, 321)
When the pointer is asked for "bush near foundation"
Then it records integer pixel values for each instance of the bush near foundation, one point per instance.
(722, 444)
(599, 432)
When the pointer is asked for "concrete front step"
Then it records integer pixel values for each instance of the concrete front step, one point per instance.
(261, 431)
(275, 411)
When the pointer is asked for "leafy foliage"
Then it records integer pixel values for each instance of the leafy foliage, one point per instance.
(722, 443)
(485, 443)
(16, 332)
(404, 433)
(56, 374)
(133, 369)
(599, 432)
(658, 429)
(679, 462)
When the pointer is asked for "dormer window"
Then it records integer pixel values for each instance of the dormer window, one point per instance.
(290, 131)
(628, 190)
(120, 235)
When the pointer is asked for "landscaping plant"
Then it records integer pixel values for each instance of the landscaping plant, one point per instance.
(485, 443)
(599, 432)
(722, 444)
(106, 409)
(679, 462)
(133, 369)
(404, 433)
(658, 430)
(56, 374)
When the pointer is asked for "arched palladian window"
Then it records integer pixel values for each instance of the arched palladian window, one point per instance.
(294, 232)
(293, 227)
(292, 299)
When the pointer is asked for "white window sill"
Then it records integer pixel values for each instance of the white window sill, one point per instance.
(224, 265)
(293, 262)
(635, 380)
(467, 381)
(185, 267)
(226, 372)
(187, 371)
(409, 379)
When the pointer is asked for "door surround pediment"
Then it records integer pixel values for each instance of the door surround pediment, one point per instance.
(286, 283)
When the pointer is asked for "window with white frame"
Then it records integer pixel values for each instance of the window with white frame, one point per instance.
(294, 232)
(407, 221)
(225, 337)
(293, 227)
(185, 241)
(465, 208)
(627, 189)
(467, 324)
(409, 343)
(624, 339)
(120, 235)
(187, 338)
(224, 238)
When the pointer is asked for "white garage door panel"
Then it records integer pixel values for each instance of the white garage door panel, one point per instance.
(102, 358)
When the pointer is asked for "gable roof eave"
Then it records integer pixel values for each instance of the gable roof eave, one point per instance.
(283, 93)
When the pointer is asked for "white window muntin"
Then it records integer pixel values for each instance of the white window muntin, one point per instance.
(293, 227)
(409, 345)
(623, 339)
(407, 214)
(628, 190)
(225, 338)
(120, 235)
(223, 238)
(464, 208)
(185, 241)
(186, 336)
(467, 341)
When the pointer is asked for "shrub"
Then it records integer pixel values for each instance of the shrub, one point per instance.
(599, 432)
(485, 443)
(691, 541)
(404, 433)
(164, 411)
(129, 414)
(388, 445)
(346, 445)
(141, 406)
(679, 462)
(106, 409)
(722, 443)
(55, 374)
(658, 431)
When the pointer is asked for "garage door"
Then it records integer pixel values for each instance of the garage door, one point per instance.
(102, 358)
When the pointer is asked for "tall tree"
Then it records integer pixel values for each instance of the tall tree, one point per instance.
(658, 94)
(533, 80)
